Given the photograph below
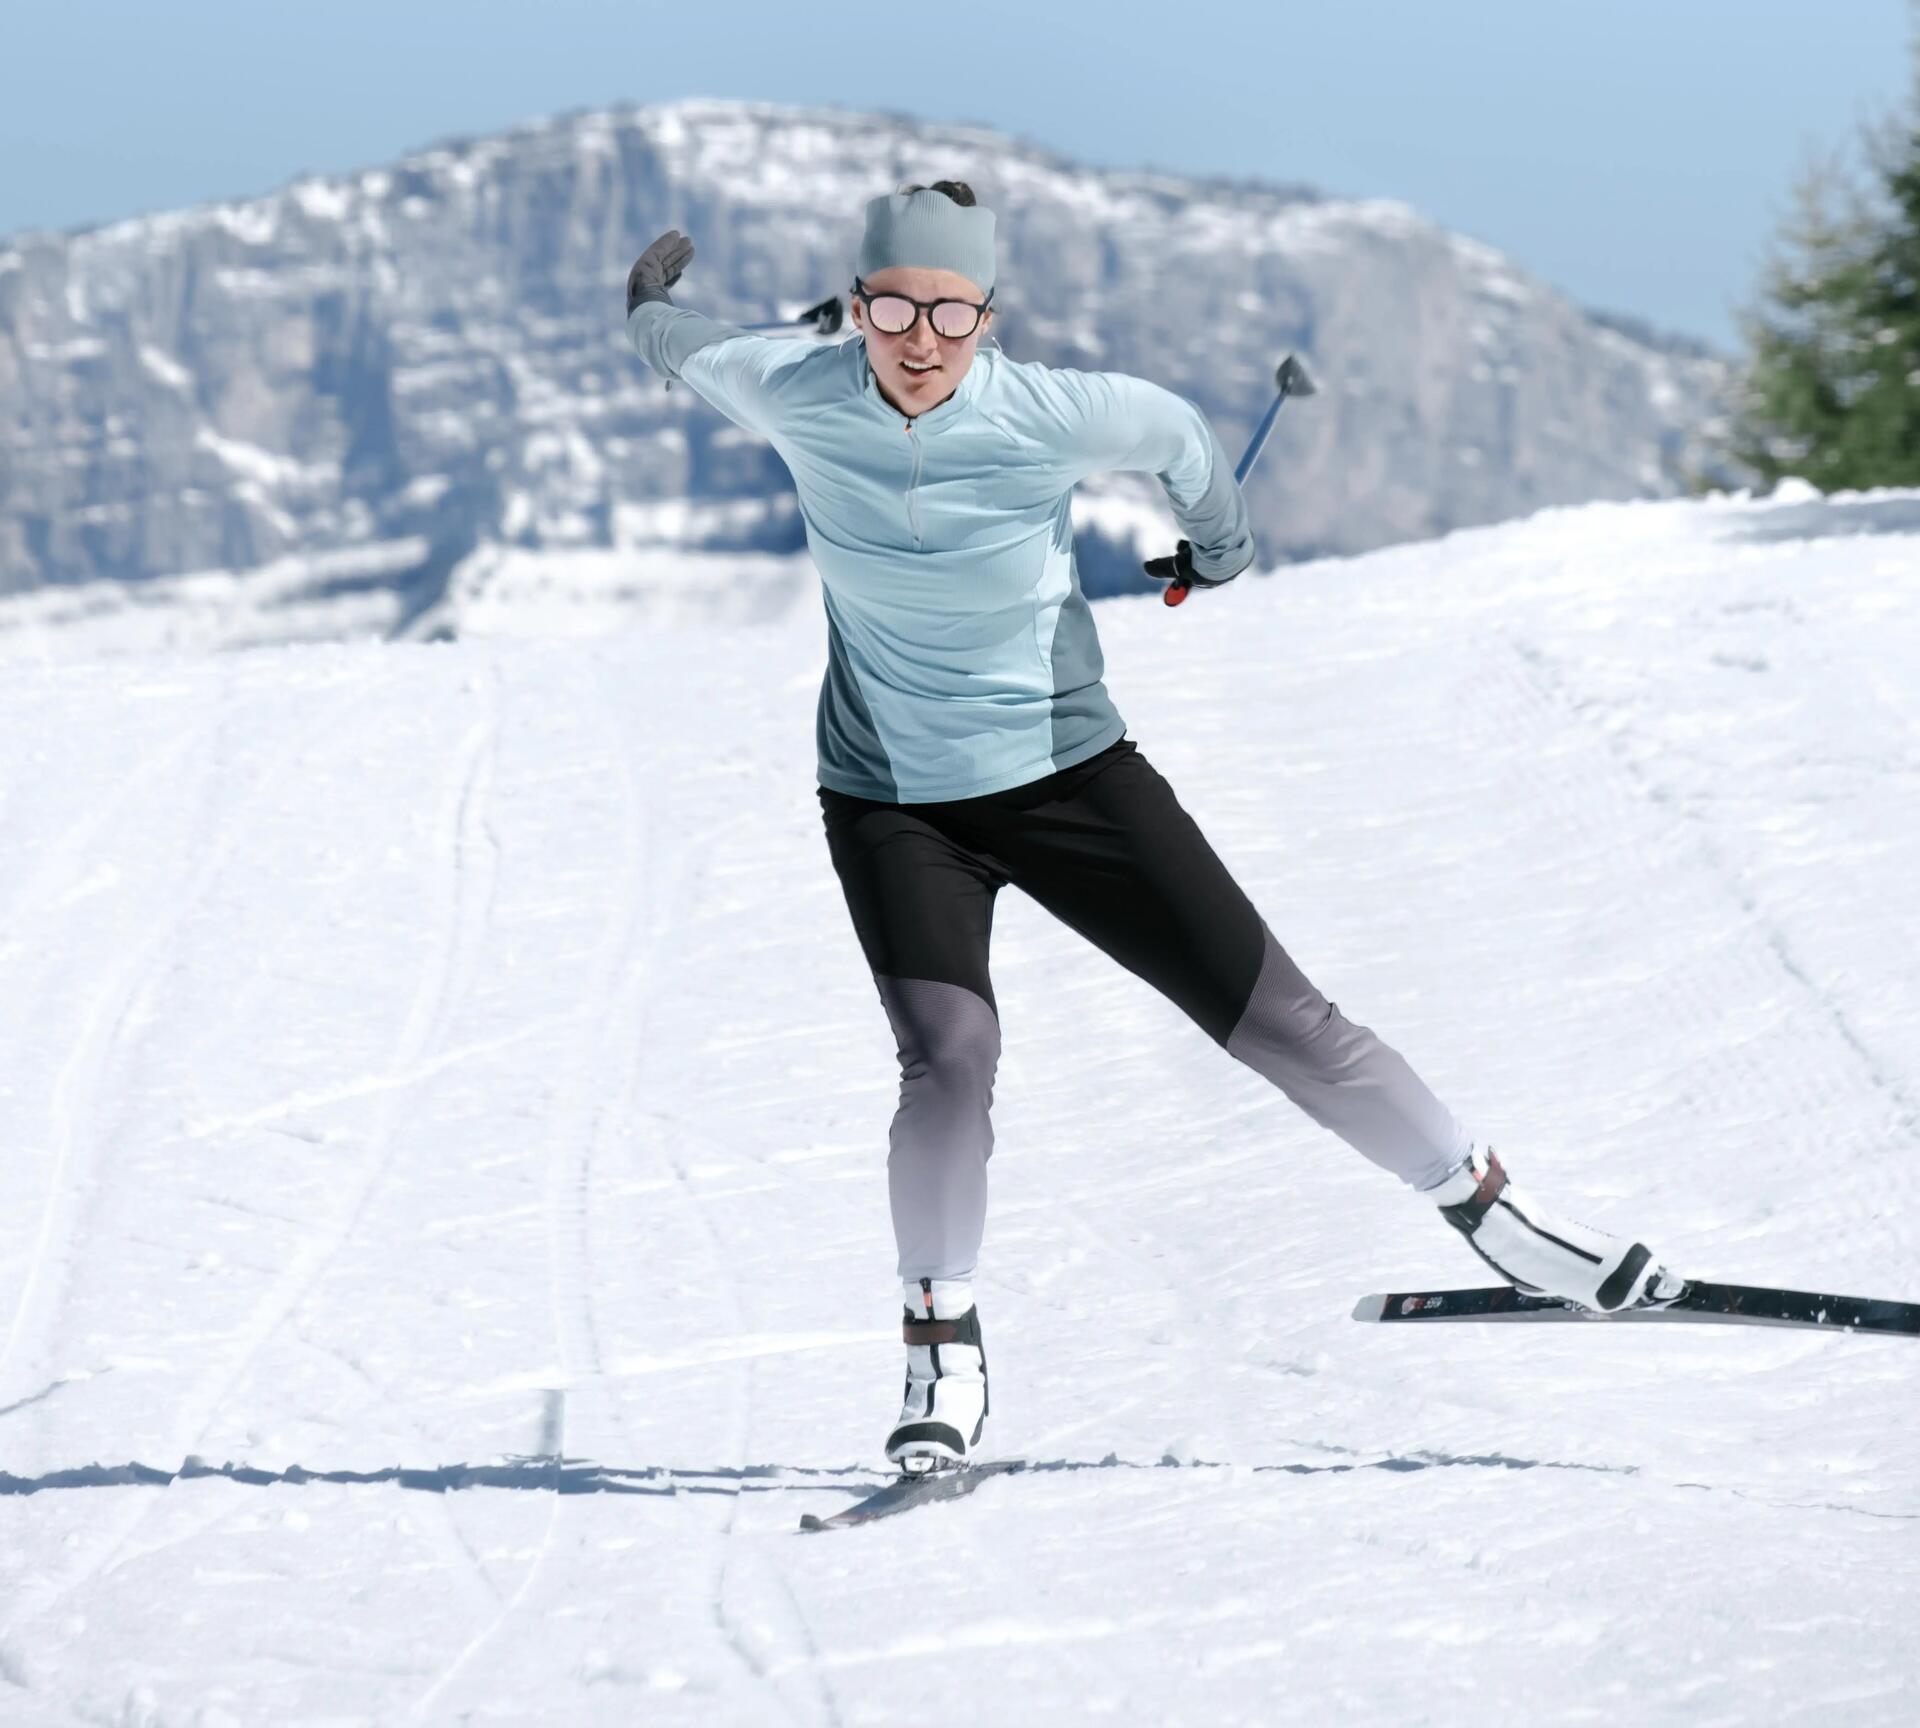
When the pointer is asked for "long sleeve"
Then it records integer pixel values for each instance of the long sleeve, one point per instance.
(738, 372)
(1118, 422)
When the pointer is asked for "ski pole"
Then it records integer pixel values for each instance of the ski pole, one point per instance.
(825, 318)
(1291, 379)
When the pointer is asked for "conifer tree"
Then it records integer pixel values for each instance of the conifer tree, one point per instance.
(1831, 385)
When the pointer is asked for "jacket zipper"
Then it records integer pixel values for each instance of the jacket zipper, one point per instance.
(913, 521)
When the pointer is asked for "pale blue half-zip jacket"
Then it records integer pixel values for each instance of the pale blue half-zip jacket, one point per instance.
(961, 654)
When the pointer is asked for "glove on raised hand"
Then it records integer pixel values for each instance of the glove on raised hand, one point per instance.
(658, 268)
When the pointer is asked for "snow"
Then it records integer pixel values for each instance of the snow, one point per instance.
(254, 222)
(260, 465)
(434, 1076)
(425, 490)
(164, 367)
(66, 353)
(298, 598)
(323, 200)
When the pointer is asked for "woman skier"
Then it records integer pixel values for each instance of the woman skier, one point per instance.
(966, 742)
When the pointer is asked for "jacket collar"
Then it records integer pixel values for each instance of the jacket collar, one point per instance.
(935, 418)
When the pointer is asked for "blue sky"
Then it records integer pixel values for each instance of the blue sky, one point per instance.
(1637, 153)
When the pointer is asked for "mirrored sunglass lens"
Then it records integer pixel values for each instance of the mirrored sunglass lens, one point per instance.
(954, 318)
(890, 313)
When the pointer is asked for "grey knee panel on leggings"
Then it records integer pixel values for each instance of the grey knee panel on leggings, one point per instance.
(1342, 1076)
(942, 1134)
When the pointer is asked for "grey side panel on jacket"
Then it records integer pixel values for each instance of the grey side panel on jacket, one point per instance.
(1081, 709)
(851, 757)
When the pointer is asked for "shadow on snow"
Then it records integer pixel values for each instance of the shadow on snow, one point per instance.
(1830, 518)
(575, 1476)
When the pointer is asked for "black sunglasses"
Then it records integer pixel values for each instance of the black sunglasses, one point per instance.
(895, 314)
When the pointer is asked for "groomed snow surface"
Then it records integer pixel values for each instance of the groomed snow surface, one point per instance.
(425, 1057)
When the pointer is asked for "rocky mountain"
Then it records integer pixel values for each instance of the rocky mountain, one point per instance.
(382, 378)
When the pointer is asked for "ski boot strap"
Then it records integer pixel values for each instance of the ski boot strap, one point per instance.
(1466, 1214)
(964, 1330)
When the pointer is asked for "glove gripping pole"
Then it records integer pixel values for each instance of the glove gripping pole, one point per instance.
(1290, 379)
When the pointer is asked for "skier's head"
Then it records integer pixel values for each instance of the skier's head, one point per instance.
(923, 243)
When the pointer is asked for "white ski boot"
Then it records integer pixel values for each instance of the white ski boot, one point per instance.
(946, 1398)
(1545, 1255)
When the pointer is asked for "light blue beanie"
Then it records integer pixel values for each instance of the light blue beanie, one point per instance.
(928, 231)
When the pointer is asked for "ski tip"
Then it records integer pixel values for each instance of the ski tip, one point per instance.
(1370, 1308)
(810, 1521)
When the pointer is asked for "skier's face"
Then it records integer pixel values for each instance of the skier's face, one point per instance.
(914, 392)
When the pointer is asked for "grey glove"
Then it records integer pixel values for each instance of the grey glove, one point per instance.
(658, 268)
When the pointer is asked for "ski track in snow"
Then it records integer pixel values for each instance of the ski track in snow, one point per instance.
(77, 1091)
(455, 915)
(1828, 1066)
(676, 872)
(606, 1090)
(58, 862)
(424, 1056)
(1764, 929)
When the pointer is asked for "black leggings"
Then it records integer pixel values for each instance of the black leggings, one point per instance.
(1106, 848)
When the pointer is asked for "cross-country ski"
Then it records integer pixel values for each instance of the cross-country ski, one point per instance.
(907, 1492)
(1699, 1301)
